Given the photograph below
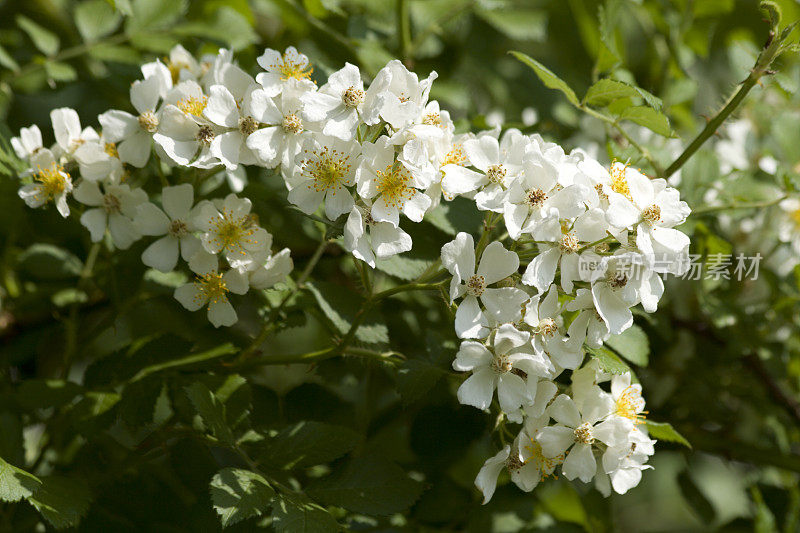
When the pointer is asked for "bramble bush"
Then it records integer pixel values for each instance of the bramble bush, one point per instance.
(303, 273)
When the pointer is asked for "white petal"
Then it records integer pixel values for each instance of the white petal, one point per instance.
(162, 254)
(497, 263)
(190, 297)
(470, 323)
(177, 200)
(554, 440)
(478, 389)
(471, 355)
(487, 477)
(150, 220)
(564, 411)
(580, 463)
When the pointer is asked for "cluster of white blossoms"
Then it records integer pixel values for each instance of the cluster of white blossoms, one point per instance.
(371, 154)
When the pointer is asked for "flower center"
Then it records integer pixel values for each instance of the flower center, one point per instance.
(535, 197)
(193, 105)
(148, 122)
(205, 135)
(476, 285)
(53, 181)
(619, 184)
(456, 156)
(111, 203)
(392, 185)
(353, 97)
(432, 119)
(547, 327)
(600, 192)
(211, 287)
(496, 173)
(583, 433)
(546, 464)
(629, 405)
(569, 243)
(292, 68)
(651, 215)
(514, 463)
(617, 280)
(247, 125)
(292, 124)
(178, 229)
(175, 70)
(233, 233)
(111, 149)
(327, 168)
(501, 364)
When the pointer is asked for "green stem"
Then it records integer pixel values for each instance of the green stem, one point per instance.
(71, 341)
(765, 58)
(404, 30)
(607, 238)
(706, 209)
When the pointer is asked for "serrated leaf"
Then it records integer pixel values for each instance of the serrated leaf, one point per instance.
(239, 494)
(15, 483)
(47, 262)
(62, 501)
(307, 444)
(609, 361)
(649, 118)
(211, 410)
(95, 19)
(415, 378)
(606, 91)
(632, 344)
(665, 431)
(518, 24)
(370, 485)
(298, 515)
(340, 307)
(548, 78)
(405, 268)
(46, 41)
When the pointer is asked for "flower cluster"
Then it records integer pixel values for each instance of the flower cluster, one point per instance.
(377, 154)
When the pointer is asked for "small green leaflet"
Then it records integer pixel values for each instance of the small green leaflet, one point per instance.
(665, 431)
(548, 78)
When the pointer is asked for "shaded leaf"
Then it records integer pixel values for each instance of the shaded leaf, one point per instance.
(665, 431)
(15, 483)
(609, 361)
(298, 515)
(96, 19)
(46, 41)
(308, 444)
(210, 409)
(548, 78)
(62, 501)
(649, 118)
(239, 494)
(632, 344)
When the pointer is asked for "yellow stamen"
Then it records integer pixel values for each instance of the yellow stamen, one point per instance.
(193, 105)
(291, 68)
(210, 287)
(393, 185)
(328, 169)
(53, 181)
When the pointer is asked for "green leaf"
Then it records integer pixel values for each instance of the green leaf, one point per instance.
(60, 71)
(609, 361)
(307, 444)
(649, 118)
(96, 19)
(342, 314)
(123, 6)
(370, 485)
(773, 12)
(665, 431)
(403, 267)
(6, 60)
(211, 410)
(606, 91)
(47, 262)
(155, 14)
(46, 41)
(695, 498)
(44, 393)
(518, 24)
(62, 501)
(415, 378)
(548, 78)
(239, 494)
(632, 344)
(294, 514)
(227, 26)
(15, 483)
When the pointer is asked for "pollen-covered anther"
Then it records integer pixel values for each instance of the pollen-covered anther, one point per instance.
(193, 105)
(205, 135)
(619, 183)
(514, 463)
(353, 97)
(148, 121)
(111, 203)
(291, 68)
(547, 327)
(601, 193)
(211, 287)
(432, 119)
(393, 185)
(617, 280)
(233, 233)
(247, 125)
(292, 124)
(178, 229)
(569, 243)
(53, 180)
(326, 168)
(501, 364)
(496, 173)
(651, 215)
(629, 405)
(456, 156)
(111, 149)
(583, 433)
(535, 197)
(476, 285)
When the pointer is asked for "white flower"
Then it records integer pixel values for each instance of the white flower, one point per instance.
(588, 326)
(185, 134)
(286, 129)
(132, 134)
(543, 317)
(500, 369)
(174, 223)
(405, 96)
(624, 462)
(229, 228)
(392, 186)
(577, 430)
(237, 117)
(789, 224)
(211, 288)
(497, 263)
(280, 68)
(325, 170)
(98, 160)
(28, 143)
(340, 103)
(627, 396)
(566, 237)
(51, 183)
(114, 208)
(367, 239)
(274, 271)
(67, 129)
(652, 209)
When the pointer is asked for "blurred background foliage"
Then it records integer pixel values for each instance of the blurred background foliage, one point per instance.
(103, 377)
